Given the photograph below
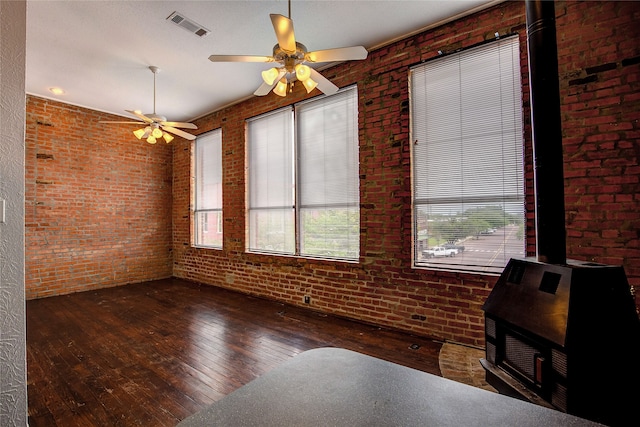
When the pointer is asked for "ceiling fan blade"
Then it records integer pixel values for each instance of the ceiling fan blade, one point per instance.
(265, 88)
(140, 116)
(131, 123)
(179, 125)
(240, 58)
(324, 85)
(178, 132)
(339, 54)
(284, 32)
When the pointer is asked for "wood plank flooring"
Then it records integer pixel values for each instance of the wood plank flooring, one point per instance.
(151, 354)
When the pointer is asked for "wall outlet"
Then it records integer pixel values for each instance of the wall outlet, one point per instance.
(306, 299)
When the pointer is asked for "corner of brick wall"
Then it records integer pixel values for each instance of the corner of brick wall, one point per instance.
(96, 202)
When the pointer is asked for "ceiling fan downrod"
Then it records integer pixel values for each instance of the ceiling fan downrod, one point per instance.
(155, 70)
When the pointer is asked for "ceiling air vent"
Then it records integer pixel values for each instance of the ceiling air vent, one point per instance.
(181, 21)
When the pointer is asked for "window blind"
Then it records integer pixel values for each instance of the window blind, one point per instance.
(328, 180)
(208, 188)
(467, 158)
(271, 182)
(303, 179)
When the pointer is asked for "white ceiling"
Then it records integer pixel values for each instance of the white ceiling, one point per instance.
(99, 52)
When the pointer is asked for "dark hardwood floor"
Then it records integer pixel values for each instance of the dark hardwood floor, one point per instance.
(151, 354)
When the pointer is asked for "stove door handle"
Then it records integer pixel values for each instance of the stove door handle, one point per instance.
(538, 367)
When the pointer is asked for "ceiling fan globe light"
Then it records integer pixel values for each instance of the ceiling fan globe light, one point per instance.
(309, 84)
(139, 133)
(303, 72)
(168, 138)
(281, 88)
(156, 133)
(151, 140)
(269, 76)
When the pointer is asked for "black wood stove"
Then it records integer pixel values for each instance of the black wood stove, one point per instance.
(563, 334)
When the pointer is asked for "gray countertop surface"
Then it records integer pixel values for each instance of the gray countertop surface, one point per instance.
(338, 387)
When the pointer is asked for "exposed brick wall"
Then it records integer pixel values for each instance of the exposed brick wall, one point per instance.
(599, 48)
(96, 202)
(602, 153)
(382, 288)
(96, 198)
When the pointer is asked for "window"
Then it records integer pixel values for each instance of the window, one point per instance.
(303, 179)
(208, 185)
(467, 159)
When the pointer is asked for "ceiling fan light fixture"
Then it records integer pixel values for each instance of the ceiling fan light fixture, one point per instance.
(309, 84)
(139, 133)
(303, 72)
(167, 137)
(291, 56)
(156, 133)
(269, 76)
(154, 124)
(281, 87)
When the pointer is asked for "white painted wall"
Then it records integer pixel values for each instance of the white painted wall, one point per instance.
(13, 366)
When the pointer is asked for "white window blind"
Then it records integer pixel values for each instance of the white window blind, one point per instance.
(303, 184)
(329, 195)
(208, 187)
(271, 183)
(468, 187)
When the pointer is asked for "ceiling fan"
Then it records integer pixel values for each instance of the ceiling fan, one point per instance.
(156, 126)
(291, 57)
